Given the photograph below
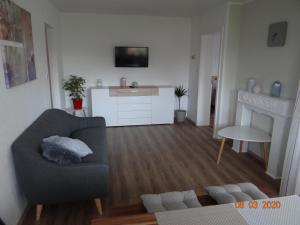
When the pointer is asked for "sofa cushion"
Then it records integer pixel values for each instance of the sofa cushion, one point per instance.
(170, 201)
(74, 145)
(95, 138)
(235, 193)
(59, 155)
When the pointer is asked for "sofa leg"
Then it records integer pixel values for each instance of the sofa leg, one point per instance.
(39, 209)
(99, 206)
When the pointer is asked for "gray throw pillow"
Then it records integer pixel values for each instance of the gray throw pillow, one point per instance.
(59, 155)
(170, 201)
(231, 193)
(74, 145)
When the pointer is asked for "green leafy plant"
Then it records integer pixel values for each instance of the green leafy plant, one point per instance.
(180, 92)
(75, 85)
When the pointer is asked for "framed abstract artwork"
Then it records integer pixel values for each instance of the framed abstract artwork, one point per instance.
(277, 34)
(16, 44)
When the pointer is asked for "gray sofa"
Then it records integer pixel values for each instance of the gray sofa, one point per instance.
(45, 182)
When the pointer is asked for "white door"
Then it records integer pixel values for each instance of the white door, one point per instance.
(208, 68)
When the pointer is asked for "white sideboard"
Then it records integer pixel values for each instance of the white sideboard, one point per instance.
(134, 106)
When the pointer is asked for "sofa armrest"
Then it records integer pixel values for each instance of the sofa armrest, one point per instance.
(87, 122)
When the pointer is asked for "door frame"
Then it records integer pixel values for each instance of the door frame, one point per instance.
(219, 86)
(49, 57)
(54, 66)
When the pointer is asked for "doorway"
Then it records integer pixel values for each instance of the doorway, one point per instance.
(209, 67)
(214, 86)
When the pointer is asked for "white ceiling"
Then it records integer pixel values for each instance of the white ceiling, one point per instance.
(181, 8)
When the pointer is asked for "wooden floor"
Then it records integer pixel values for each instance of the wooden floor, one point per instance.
(155, 159)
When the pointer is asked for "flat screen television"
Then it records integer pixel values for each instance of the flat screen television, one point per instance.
(131, 56)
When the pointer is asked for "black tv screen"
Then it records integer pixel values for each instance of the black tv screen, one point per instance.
(131, 56)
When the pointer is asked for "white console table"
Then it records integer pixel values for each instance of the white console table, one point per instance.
(134, 106)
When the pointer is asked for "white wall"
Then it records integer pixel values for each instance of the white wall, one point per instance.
(211, 21)
(88, 42)
(20, 106)
(216, 51)
(297, 189)
(269, 64)
(229, 66)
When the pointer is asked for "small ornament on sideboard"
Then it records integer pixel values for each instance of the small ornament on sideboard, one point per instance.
(257, 89)
(123, 81)
(134, 84)
(99, 83)
(276, 89)
(251, 84)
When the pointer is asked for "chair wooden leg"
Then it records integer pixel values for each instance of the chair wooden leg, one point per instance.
(99, 206)
(39, 209)
(266, 155)
(221, 150)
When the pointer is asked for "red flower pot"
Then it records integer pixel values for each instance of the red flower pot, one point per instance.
(77, 104)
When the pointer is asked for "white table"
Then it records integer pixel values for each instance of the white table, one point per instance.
(272, 211)
(242, 134)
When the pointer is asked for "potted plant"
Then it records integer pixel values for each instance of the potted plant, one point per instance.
(180, 114)
(75, 86)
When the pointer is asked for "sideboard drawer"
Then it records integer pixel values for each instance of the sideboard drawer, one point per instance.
(141, 91)
(135, 121)
(134, 114)
(134, 107)
(140, 99)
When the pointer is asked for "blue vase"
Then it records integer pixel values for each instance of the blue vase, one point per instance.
(276, 89)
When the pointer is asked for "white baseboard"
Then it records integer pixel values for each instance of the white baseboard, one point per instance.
(275, 178)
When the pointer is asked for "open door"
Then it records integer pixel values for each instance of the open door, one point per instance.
(208, 79)
(213, 101)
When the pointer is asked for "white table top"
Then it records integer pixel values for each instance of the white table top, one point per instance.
(287, 212)
(244, 134)
(225, 214)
